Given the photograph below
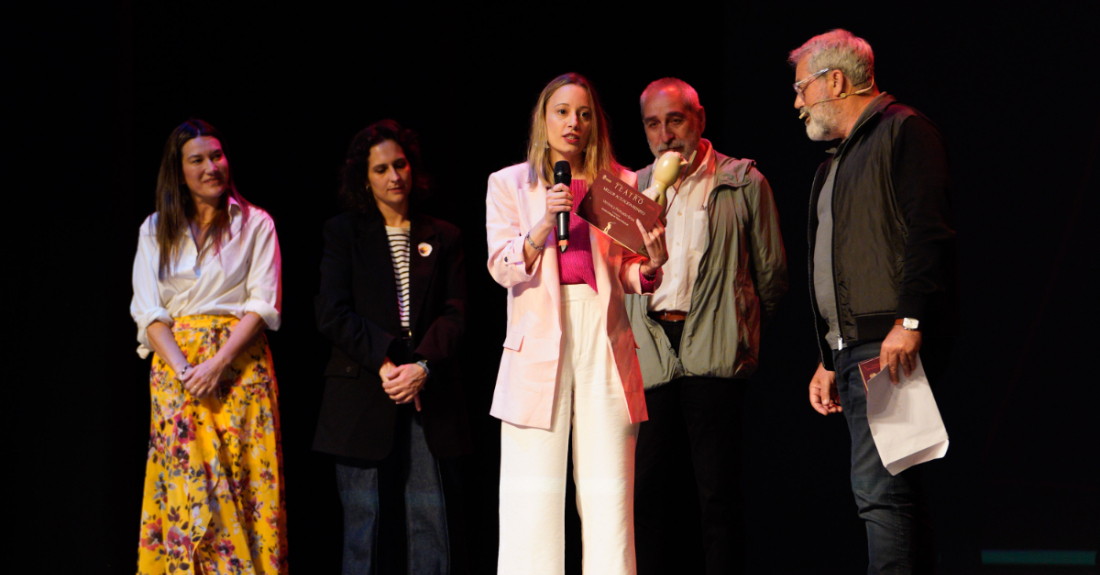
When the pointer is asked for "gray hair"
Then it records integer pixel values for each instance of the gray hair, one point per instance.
(839, 50)
(690, 96)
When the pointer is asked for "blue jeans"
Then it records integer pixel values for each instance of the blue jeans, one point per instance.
(425, 513)
(892, 507)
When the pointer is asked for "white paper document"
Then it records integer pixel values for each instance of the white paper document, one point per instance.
(905, 421)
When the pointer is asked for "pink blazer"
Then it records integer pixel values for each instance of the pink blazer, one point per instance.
(527, 380)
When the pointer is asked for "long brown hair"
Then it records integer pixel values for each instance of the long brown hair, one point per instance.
(597, 154)
(175, 208)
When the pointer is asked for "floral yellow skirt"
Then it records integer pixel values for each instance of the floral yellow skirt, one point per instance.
(214, 478)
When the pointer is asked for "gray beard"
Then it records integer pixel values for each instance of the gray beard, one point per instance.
(823, 123)
(682, 144)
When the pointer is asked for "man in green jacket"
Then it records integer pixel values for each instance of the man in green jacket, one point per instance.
(698, 335)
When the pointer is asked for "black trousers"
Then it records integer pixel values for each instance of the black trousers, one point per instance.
(694, 422)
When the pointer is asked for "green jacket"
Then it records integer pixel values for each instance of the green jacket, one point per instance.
(742, 276)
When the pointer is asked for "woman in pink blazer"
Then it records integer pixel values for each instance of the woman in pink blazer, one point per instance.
(568, 360)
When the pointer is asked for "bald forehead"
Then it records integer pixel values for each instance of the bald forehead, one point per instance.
(669, 99)
(670, 91)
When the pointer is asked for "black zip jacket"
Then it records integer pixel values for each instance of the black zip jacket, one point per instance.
(893, 240)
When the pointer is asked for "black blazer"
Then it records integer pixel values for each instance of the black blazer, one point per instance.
(357, 311)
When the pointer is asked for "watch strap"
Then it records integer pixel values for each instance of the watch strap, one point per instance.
(909, 324)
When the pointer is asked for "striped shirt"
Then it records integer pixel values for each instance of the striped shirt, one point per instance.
(399, 249)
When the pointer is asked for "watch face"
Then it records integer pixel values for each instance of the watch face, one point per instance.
(910, 323)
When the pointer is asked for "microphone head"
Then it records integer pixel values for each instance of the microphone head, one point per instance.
(562, 173)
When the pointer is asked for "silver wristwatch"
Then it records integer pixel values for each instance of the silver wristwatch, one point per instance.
(910, 324)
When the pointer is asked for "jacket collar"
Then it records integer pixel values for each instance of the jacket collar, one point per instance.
(424, 246)
(867, 118)
(417, 224)
(732, 172)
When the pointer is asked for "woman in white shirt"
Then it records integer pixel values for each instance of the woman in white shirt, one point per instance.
(206, 284)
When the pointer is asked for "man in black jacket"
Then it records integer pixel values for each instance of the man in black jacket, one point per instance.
(881, 269)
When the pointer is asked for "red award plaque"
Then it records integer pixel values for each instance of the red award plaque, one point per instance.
(612, 206)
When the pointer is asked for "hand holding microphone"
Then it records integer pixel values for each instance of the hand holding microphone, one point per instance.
(559, 202)
(563, 176)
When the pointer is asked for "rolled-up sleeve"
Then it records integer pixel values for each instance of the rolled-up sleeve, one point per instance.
(504, 236)
(630, 274)
(265, 284)
(146, 307)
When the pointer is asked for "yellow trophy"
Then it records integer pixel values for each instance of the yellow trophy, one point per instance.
(665, 173)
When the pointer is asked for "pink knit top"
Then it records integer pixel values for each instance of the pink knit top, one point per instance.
(575, 265)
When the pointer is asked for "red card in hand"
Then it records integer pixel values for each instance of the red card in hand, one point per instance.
(612, 206)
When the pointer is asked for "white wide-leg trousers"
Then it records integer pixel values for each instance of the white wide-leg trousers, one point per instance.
(533, 461)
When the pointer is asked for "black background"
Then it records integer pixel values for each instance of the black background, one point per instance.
(1013, 91)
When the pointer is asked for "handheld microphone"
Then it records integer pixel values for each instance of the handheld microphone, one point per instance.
(563, 175)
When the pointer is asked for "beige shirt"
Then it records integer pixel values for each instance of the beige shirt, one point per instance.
(244, 276)
(686, 236)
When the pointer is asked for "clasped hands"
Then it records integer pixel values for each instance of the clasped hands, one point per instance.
(202, 379)
(899, 348)
(403, 382)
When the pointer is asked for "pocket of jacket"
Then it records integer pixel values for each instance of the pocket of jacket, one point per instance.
(514, 340)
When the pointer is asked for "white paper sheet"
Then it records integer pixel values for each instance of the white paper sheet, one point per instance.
(905, 421)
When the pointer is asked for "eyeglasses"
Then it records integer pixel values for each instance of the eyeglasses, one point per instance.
(800, 85)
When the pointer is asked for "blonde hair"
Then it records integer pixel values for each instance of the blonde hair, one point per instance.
(597, 154)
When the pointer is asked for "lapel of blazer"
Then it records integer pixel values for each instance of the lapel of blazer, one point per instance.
(374, 250)
(601, 249)
(535, 208)
(423, 238)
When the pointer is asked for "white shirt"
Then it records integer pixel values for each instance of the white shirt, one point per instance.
(245, 276)
(685, 235)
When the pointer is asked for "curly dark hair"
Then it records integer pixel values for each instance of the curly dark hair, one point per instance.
(354, 193)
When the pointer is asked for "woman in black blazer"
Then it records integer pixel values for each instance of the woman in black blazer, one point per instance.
(392, 302)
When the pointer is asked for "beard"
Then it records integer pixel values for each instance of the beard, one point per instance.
(823, 122)
(687, 145)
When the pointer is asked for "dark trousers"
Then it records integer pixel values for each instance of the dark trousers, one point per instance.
(412, 464)
(892, 507)
(700, 417)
